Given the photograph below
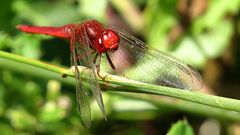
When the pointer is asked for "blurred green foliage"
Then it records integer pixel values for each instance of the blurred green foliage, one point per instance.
(181, 128)
(33, 105)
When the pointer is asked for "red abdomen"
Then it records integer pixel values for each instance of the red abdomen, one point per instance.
(62, 32)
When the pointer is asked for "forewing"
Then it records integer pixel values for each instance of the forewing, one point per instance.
(83, 50)
(81, 94)
(150, 65)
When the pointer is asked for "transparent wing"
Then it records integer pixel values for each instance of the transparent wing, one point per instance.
(152, 66)
(81, 94)
(85, 59)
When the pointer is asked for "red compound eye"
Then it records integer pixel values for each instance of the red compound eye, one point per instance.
(110, 39)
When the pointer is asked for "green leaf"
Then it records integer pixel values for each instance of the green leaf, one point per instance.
(181, 128)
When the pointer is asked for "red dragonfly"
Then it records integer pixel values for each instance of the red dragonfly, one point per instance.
(140, 62)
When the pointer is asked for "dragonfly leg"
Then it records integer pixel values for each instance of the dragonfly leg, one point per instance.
(97, 64)
(110, 62)
(95, 58)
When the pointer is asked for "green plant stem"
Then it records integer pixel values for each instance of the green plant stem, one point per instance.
(123, 84)
(32, 62)
(173, 104)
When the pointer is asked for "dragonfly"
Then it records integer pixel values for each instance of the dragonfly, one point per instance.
(125, 55)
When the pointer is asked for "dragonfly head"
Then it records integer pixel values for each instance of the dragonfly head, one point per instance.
(110, 40)
(102, 39)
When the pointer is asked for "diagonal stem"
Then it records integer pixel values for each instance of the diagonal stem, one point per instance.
(126, 85)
